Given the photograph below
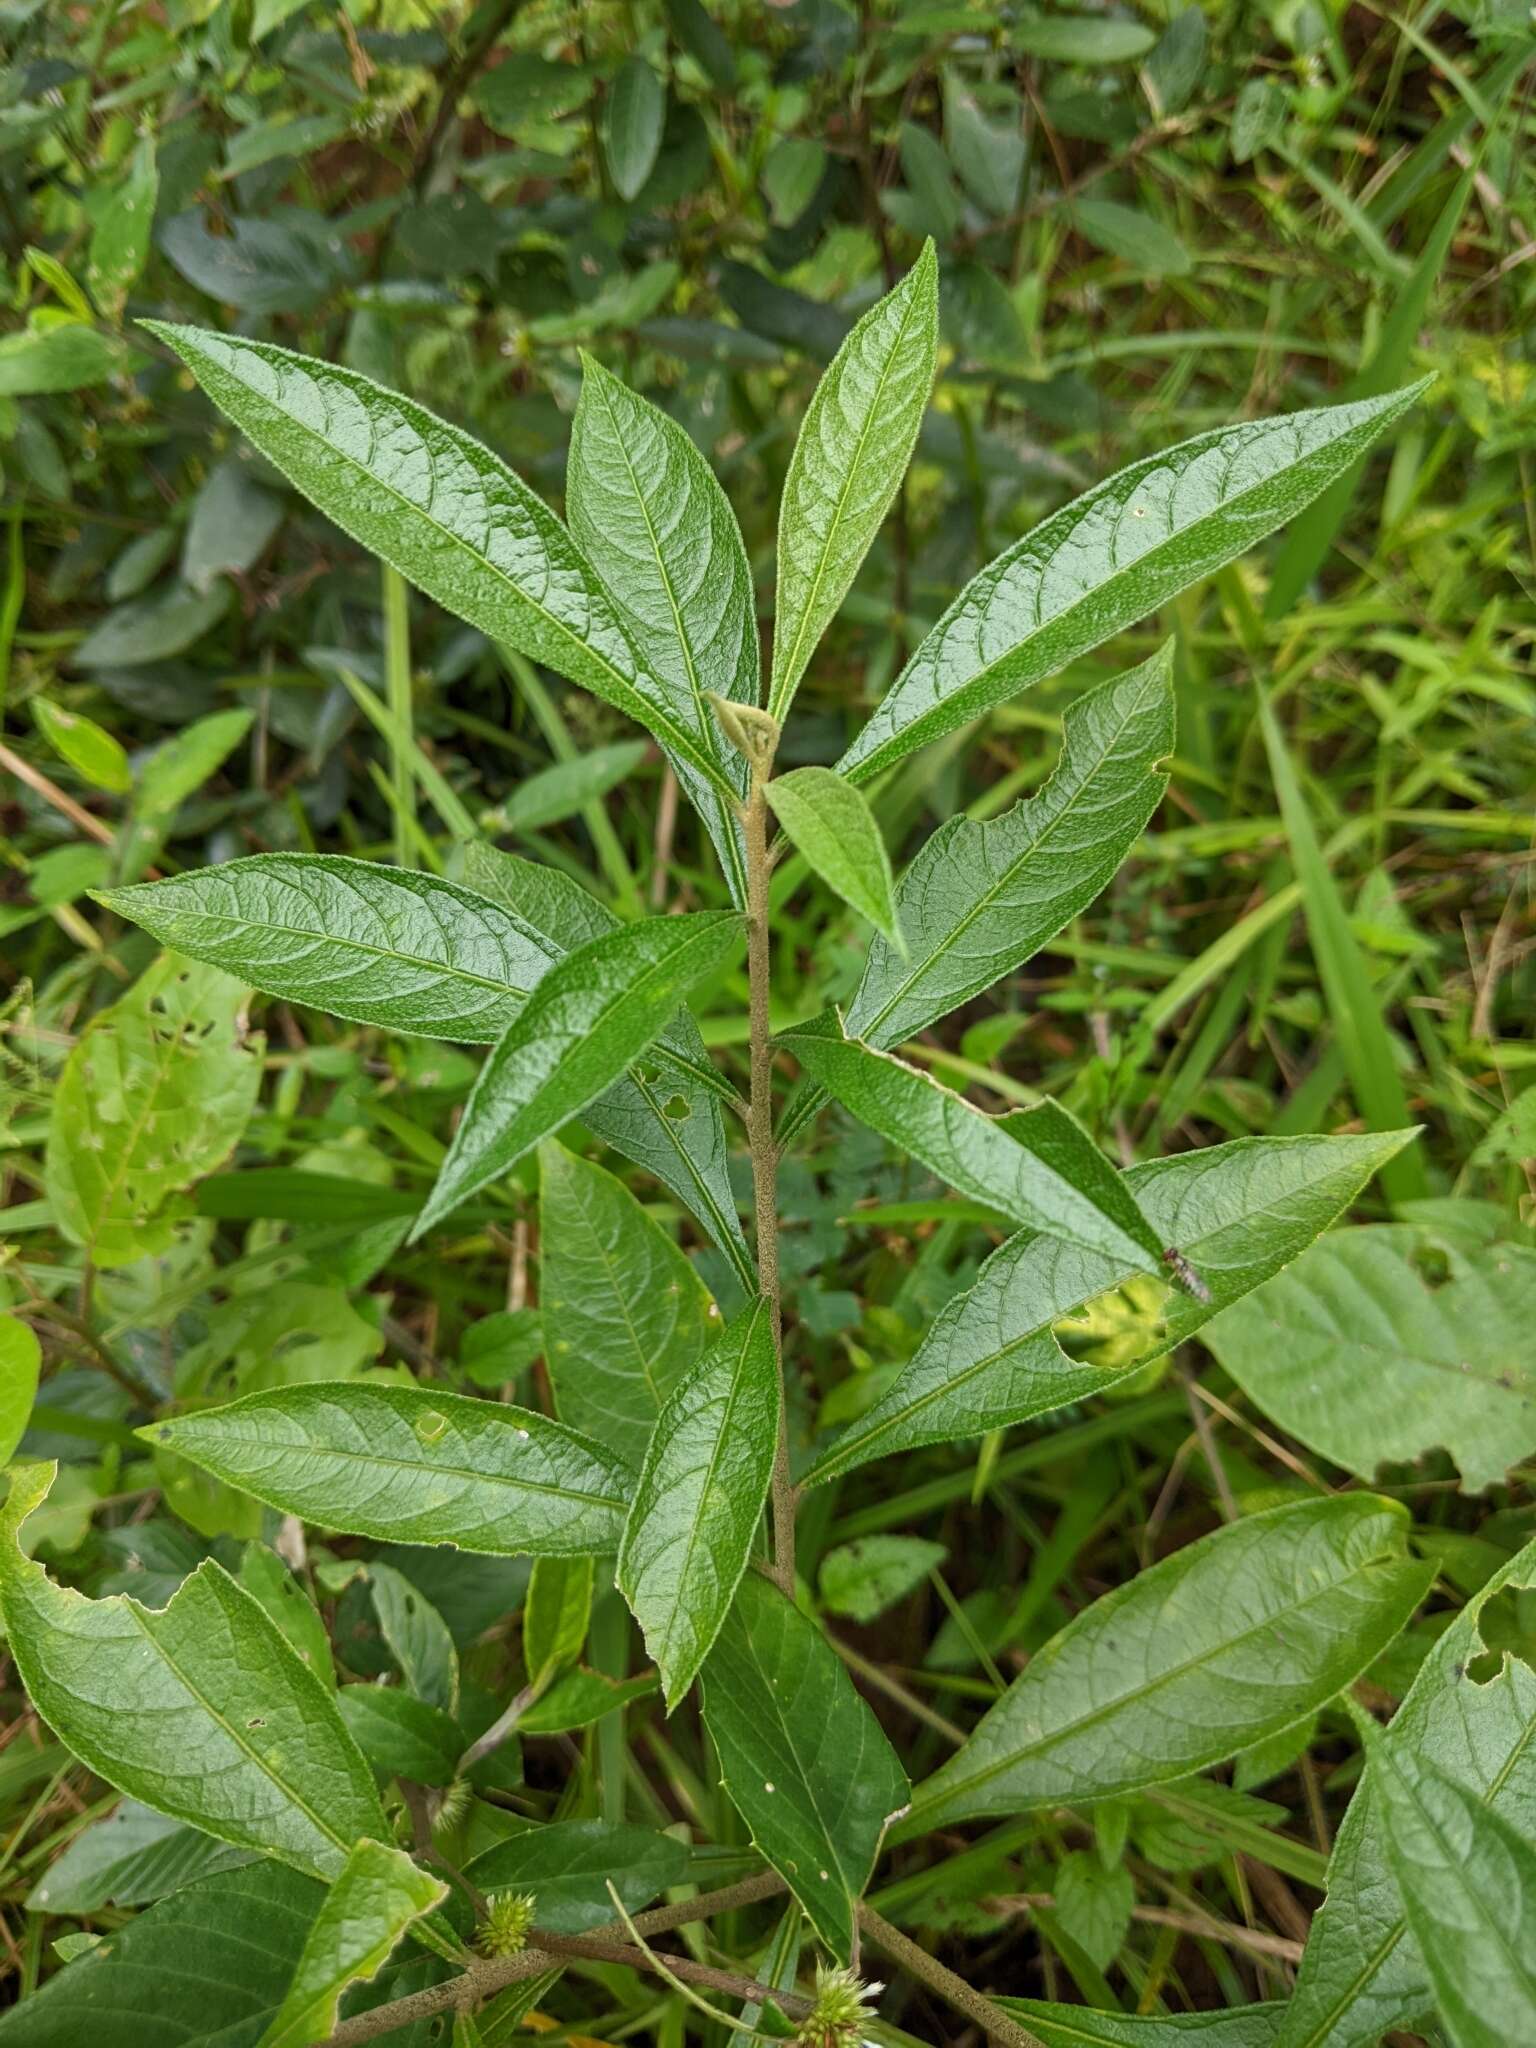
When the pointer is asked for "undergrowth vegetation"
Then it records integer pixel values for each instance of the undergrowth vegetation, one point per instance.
(767, 1267)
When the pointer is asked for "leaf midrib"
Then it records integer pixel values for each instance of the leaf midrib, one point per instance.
(955, 701)
(1004, 880)
(681, 739)
(778, 685)
(1154, 1685)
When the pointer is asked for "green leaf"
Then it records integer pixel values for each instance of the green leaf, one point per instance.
(64, 358)
(655, 524)
(1093, 1905)
(832, 825)
(205, 1968)
(590, 1015)
(417, 1637)
(625, 1314)
(1182, 1666)
(269, 1582)
(120, 238)
(862, 1579)
(21, 1358)
(201, 1709)
(989, 155)
(1082, 38)
(556, 1615)
(1468, 1885)
(581, 1697)
(154, 1094)
(1041, 1170)
(665, 1113)
(377, 1894)
(1363, 1975)
(154, 628)
(374, 944)
(979, 899)
(439, 507)
(1079, 2026)
(1135, 237)
(559, 792)
(804, 1760)
(1353, 1004)
(1238, 1212)
(412, 1465)
(568, 1866)
(852, 452)
(233, 519)
(402, 1737)
(131, 1858)
(1448, 1361)
(1108, 559)
(88, 749)
(700, 1497)
(633, 118)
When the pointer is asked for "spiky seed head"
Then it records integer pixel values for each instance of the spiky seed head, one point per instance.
(839, 2011)
(504, 1930)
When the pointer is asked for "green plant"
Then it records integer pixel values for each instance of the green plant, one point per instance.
(216, 1710)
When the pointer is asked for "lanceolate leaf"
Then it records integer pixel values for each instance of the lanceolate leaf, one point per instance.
(377, 1895)
(700, 1498)
(852, 452)
(979, 899)
(1363, 1974)
(1468, 1886)
(975, 1153)
(443, 510)
(803, 1758)
(412, 1465)
(587, 1019)
(1238, 1212)
(1218, 1646)
(200, 1709)
(1449, 1364)
(1110, 558)
(832, 825)
(657, 527)
(625, 1315)
(374, 944)
(665, 1116)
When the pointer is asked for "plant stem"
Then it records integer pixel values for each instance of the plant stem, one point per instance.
(765, 1158)
(991, 2019)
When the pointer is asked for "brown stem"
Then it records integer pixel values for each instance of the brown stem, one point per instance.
(765, 1200)
(954, 1991)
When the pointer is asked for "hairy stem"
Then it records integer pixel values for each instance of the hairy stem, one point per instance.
(954, 1991)
(765, 1161)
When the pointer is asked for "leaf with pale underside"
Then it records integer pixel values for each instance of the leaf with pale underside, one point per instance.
(665, 1112)
(980, 899)
(375, 1898)
(831, 824)
(655, 524)
(1044, 1172)
(1108, 559)
(589, 1017)
(200, 1709)
(413, 1465)
(851, 454)
(700, 1497)
(804, 1760)
(1220, 1645)
(992, 1358)
(1467, 1880)
(625, 1314)
(1471, 1711)
(442, 509)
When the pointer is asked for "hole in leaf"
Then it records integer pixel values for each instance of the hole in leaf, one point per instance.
(1507, 1624)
